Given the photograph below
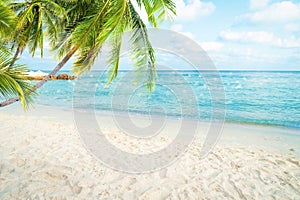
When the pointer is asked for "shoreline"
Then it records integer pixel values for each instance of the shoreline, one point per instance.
(138, 114)
(230, 132)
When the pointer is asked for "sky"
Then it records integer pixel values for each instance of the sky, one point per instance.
(237, 34)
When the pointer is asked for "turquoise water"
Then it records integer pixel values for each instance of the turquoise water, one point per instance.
(250, 97)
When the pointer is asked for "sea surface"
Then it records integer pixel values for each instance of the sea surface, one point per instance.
(260, 97)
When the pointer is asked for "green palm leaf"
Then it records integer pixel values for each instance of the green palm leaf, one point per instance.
(7, 20)
(114, 58)
(142, 51)
(94, 31)
(37, 19)
(109, 21)
(12, 82)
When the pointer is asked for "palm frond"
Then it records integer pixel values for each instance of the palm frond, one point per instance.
(7, 21)
(96, 29)
(142, 51)
(165, 9)
(158, 10)
(11, 81)
(114, 54)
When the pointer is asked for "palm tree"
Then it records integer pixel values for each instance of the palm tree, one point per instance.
(103, 21)
(11, 81)
(35, 20)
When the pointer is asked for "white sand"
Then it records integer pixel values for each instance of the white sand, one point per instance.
(42, 156)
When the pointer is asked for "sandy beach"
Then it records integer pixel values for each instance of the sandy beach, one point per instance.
(43, 157)
(149, 100)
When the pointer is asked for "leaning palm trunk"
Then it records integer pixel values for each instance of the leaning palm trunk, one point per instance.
(45, 79)
(14, 59)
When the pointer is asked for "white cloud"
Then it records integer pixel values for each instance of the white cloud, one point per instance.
(207, 46)
(292, 27)
(47, 45)
(258, 4)
(211, 46)
(289, 42)
(188, 34)
(142, 12)
(261, 37)
(186, 11)
(285, 11)
(193, 9)
(258, 36)
(238, 56)
(178, 28)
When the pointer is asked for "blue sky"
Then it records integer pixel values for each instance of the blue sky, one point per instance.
(239, 34)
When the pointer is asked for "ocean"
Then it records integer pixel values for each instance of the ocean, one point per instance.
(260, 97)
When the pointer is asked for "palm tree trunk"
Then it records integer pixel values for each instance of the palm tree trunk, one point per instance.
(15, 57)
(45, 79)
